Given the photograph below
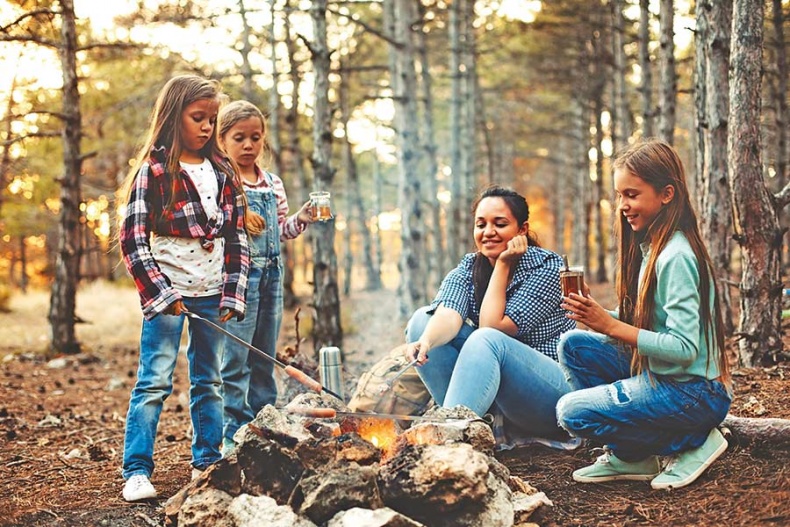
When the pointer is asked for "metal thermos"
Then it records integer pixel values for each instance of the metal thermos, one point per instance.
(330, 365)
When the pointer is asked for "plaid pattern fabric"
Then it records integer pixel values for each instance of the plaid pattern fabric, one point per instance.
(532, 298)
(186, 218)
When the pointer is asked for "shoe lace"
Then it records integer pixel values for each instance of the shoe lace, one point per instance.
(671, 464)
(604, 457)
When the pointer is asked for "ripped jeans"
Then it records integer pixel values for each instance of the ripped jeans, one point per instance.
(635, 416)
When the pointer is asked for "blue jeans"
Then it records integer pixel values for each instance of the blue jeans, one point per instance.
(636, 416)
(248, 379)
(159, 344)
(480, 367)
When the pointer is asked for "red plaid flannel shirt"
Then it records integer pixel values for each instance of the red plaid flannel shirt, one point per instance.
(145, 215)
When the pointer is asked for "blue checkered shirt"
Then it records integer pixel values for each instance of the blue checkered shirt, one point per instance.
(532, 298)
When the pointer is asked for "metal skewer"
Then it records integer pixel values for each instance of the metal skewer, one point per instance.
(391, 382)
(292, 372)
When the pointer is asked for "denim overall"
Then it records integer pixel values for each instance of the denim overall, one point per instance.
(248, 379)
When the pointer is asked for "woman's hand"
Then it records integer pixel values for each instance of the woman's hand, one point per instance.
(417, 350)
(255, 223)
(516, 248)
(305, 214)
(175, 309)
(586, 310)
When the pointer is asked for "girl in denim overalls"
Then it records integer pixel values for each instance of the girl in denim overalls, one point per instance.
(248, 379)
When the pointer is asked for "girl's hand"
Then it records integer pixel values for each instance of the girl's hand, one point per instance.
(255, 223)
(305, 214)
(226, 314)
(586, 310)
(417, 350)
(516, 248)
(175, 309)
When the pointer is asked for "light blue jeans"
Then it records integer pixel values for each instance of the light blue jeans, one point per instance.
(248, 379)
(159, 344)
(636, 416)
(480, 367)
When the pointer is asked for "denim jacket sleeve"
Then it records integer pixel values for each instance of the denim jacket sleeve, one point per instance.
(153, 286)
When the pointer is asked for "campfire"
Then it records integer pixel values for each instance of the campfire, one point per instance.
(291, 469)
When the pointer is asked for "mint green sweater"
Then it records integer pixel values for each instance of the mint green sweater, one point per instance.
(678, 344)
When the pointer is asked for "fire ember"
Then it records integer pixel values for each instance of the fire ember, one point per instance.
(291, 469)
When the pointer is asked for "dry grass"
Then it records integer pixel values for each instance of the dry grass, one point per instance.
(111, 312)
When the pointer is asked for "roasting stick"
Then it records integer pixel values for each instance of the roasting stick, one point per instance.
(331, 413)
(292, 372)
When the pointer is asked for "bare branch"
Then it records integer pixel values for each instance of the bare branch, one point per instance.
(363, 25)
(21, 138)
(29, 38)
(29, 14)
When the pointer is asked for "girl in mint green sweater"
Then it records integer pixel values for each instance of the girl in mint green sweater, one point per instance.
(652, 379)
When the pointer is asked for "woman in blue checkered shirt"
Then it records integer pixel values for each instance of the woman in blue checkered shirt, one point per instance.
(490, 335)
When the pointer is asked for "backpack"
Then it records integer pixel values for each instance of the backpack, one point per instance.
(408, 395)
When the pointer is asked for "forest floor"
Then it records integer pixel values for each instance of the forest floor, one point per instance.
(61, 430)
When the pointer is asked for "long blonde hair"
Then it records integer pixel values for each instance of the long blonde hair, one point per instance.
(658, 165)
(165, 131)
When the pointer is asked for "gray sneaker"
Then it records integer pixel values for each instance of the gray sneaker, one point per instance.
(610, 468)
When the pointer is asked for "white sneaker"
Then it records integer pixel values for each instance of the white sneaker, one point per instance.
(137, 488)
(196, 472)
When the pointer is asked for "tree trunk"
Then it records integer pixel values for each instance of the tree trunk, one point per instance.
(64, 287)
(581, 192)
(714, 21)
(621, 116)
(755, 218)
(296, 159)
(327, 330)
(468, 126)
(646, 87)
(436, 265)
(247, 90)
(354, 197)
(779, 96)
(456, 215)
(412, 286)
(23, 280)
(667, 88)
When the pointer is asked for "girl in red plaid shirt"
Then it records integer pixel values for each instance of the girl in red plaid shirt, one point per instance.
(183, 241)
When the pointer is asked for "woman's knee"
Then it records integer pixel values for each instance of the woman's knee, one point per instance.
(417, 323)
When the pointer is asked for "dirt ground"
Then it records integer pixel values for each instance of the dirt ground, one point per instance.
(61, 430)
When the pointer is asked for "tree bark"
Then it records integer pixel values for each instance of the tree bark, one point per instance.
(667, 88)
(64, 288)
(714, 21)
(757, 227)
(646, 87)
(412, 285)
(751, 430)
(436, 265)
(247, 90)
(456, 215)
(296, 159)
(327, 330)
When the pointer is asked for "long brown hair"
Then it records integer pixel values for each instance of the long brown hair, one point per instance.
(658, 165)
(517, 204)
(165, 131)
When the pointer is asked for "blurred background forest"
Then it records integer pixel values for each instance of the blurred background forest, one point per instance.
(403, 110)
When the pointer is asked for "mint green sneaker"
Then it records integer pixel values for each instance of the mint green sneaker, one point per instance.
(228, 447)
(689, 465)
(609, 468)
